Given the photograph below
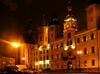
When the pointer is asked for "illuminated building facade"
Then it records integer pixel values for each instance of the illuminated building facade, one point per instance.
(76, 49)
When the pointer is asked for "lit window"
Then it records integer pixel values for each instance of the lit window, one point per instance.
(85, 63)
(85, 51)
(93, 63)
(78, 40)
(92, 36)
(92, 49)
(84, 38)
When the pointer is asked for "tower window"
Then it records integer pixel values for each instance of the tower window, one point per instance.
(92, 49)
(85, 51)
(67, 43)
(57, 35)
(51, 35)
(78, 40)
(44, 52)
(51, 47)
(52, 29)
(92, 36)
(40, 38)
(91, 19)
(84, 38)
(69, 35)
(70, 42)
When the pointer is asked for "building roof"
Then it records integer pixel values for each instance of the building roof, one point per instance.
(54, 20)
(93, 2)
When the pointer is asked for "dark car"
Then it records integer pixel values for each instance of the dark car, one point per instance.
(47, 69)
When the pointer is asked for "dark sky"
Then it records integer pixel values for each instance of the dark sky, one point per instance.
(15, 14)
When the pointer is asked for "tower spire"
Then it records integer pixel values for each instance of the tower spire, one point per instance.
(69, 8)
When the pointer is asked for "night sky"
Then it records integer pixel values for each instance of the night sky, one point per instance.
(15, 15)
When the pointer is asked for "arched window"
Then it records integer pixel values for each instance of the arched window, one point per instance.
(69, 35)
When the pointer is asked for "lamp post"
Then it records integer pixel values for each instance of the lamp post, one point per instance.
(15, 45)
(79, 52)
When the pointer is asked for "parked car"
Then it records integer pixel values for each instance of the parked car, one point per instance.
(47, 69)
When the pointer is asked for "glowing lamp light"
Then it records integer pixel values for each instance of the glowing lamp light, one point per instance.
(40, 62)
(23, 58)
(73, 46)
(40, 49)
(15, 45)
(66, 48)
(48, 46)
(79, 52)
(47, 61)
(36, 63)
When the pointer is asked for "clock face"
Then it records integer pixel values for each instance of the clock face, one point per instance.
(67, 26)
(73, 24)
(91, 10)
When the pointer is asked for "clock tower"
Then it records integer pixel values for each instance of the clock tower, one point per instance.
(70, 27)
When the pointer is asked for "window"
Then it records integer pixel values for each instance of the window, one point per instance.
(57, 56)
(47, 57)
(61, 44)
(93, 63)
(52, 29)
(78, 63)
(40, 58)
(61, 55)
(57, 35)
(84, 38)
(57, 46)
(44, 58)
(85, 51)
(51, 35)
(51, 47)
(47, 51)
(70, 42)
(36, 53)
(92, 49)
(61, 65)
(67, 43)
(36, 59)
(40, 38)
(69, 35)
(78, 40)
(91, 19)
(92, 36)
(44, 52)
(47, 65)
(85, 63)
(51, 56)
(57, 65)
(40, 52)
(70, 52)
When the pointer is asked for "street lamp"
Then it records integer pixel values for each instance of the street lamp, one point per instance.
(79, 52)
(15, 45)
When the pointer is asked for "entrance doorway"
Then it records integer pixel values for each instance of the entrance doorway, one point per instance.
(69, 66)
